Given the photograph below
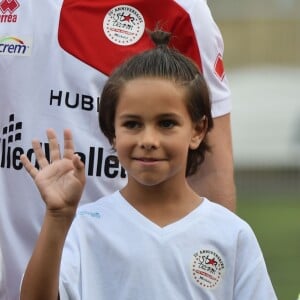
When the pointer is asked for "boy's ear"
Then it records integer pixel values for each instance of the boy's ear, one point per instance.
(200, 130)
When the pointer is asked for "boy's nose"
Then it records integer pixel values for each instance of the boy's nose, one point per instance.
(149, 139)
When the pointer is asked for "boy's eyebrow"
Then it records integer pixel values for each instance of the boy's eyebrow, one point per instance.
(170, 115)
(129, 116)
(165, 115)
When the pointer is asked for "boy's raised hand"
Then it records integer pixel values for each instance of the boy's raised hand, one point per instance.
(60, 182)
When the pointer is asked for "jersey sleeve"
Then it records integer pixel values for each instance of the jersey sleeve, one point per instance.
(211, 47)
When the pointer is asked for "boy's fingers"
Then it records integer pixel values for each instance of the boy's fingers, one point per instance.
(28, 166)
(54, 146)
(79, 170)
(68, 144)
(39, 154)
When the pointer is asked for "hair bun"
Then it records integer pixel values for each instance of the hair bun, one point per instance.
(160, 38)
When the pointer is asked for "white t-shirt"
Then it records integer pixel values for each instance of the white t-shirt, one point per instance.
(113, 252)
(3, 294)
(54, 59)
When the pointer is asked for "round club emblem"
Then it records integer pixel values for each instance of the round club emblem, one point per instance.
(124, 25)
(207, 268)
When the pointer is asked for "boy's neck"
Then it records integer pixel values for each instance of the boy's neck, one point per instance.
(162, 205)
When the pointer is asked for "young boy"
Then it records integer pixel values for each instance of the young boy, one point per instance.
(155, 238)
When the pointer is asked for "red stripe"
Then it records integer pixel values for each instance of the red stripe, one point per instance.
(81, 31)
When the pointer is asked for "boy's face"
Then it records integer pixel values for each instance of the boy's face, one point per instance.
(154, 131)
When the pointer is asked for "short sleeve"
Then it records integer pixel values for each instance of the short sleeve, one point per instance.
(252, 280)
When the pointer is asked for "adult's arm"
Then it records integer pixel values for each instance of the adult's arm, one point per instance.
(215, 177)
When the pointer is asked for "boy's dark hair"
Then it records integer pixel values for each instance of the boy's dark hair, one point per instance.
(166, 63)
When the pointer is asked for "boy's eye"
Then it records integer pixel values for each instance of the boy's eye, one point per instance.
(131, 124)
(167, 123)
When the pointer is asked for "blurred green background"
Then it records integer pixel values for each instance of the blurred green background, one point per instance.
(276, 222)
(262, 62)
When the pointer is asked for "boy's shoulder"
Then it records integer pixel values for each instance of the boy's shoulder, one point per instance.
(225, 216)
(103, 203)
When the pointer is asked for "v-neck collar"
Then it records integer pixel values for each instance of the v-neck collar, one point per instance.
(125, 208)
